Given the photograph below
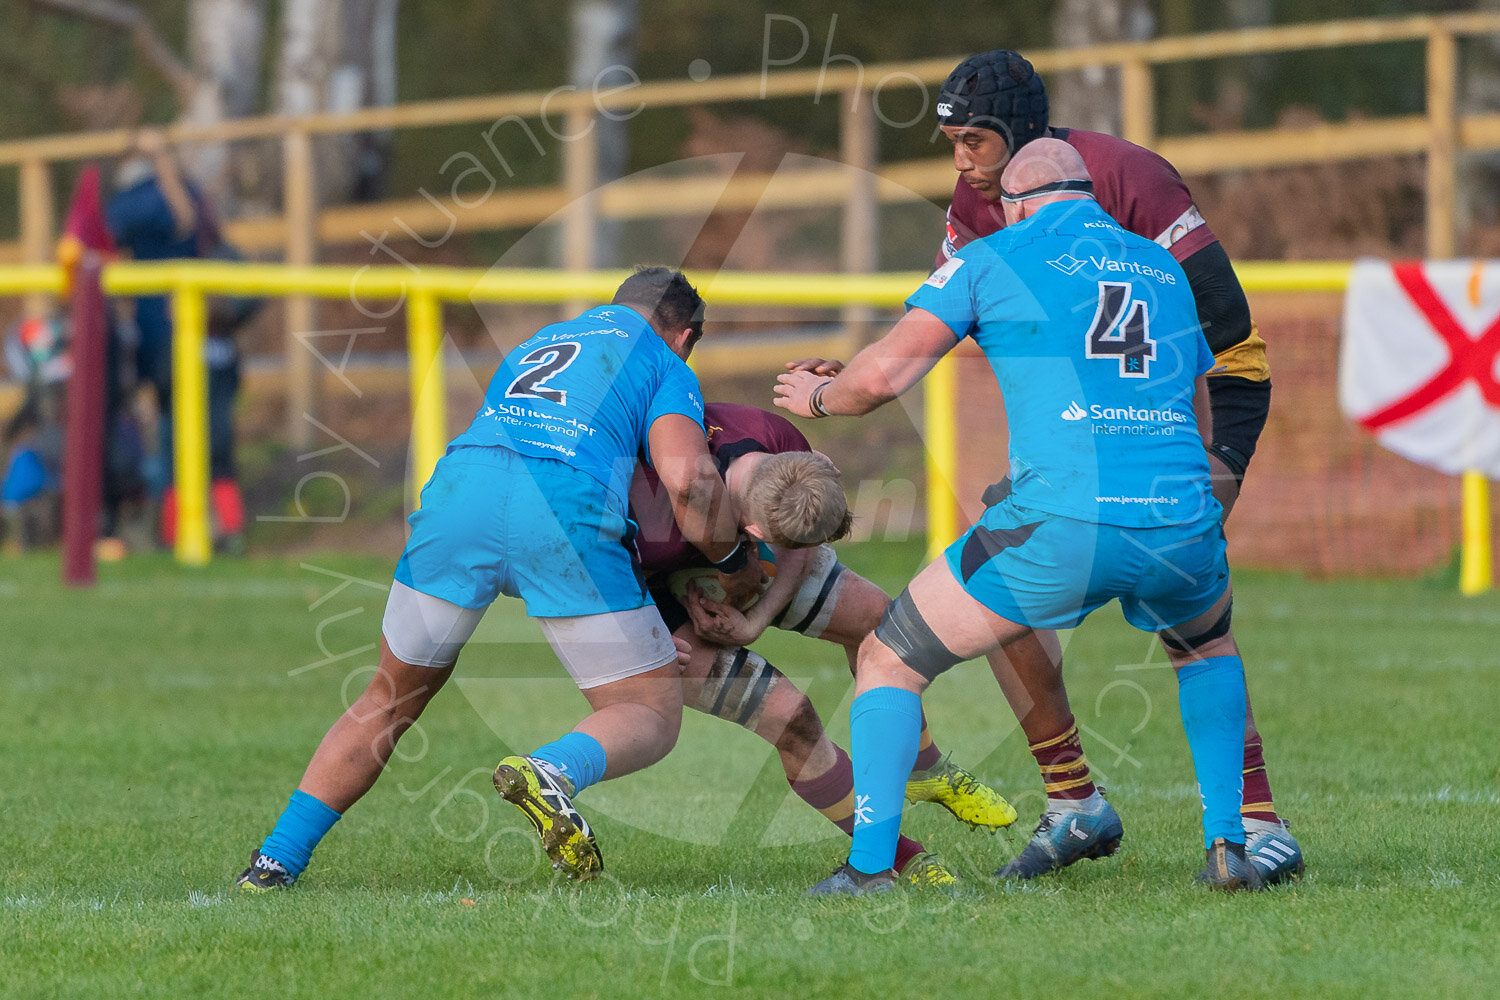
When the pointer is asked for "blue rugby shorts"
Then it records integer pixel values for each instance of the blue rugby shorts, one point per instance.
(1048, 571)
(494, 522)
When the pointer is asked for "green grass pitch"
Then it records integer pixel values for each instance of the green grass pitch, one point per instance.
(153, 727)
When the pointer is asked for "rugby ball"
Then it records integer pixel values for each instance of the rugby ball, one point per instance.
(708, 582)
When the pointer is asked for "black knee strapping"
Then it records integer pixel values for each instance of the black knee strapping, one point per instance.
(737, 686)
(1173, 640)
(907, 633)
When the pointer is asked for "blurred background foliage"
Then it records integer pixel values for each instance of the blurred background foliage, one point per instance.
(50, 62)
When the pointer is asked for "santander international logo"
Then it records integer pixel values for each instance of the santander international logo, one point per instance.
(1074, 412)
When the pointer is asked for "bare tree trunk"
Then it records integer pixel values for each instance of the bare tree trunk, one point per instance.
(225, 38)
(340, 56)
(1090, 98)
(603, 54)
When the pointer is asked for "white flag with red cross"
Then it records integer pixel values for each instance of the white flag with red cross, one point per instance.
(1420, 360)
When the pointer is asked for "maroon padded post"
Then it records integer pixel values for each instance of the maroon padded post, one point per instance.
(83, 456)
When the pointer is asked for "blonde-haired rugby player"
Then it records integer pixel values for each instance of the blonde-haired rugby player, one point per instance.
(792, 504)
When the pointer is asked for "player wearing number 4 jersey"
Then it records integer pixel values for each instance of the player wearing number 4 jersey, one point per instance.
(992, 105)
(530, 502)
(1103, 380)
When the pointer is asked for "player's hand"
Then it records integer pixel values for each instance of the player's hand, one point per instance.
(684, 650)
(718, 623)
(794, 391)
(744, 586)
(818, 366)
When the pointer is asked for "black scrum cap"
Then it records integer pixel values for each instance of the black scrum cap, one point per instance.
(999, 91)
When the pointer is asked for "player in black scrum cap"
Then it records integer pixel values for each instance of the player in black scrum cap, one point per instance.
(990, 106)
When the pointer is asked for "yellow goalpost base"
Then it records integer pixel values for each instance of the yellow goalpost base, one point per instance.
(1476, 560)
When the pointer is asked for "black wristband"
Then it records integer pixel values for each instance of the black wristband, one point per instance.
(815, 401)
(736, 560)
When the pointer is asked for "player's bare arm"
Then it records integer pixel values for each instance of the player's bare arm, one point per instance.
(877, 375)
(702, 504)
(151, 143)
(724, 625)
(1202, 409)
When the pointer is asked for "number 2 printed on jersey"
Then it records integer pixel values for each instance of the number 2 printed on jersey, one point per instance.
(547, 362)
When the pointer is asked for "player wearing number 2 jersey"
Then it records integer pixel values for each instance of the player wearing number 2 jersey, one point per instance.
(1103, 379)
(585, 392)
(530, 502)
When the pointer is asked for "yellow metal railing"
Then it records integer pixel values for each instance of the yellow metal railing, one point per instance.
(424, 291)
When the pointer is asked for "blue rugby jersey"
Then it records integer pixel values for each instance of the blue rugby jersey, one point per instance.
(1093, 335)
(586, 392)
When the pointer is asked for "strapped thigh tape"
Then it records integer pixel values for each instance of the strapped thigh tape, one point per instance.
(1173, 639)
(907, 633)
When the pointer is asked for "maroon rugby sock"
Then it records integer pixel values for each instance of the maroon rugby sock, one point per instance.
(906, 849)
(1065, 770)
(1256, 800)
(832, 792)
(928, 753)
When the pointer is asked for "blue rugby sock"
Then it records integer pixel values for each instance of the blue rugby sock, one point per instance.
(298, 831)
(884, 726)
(578, 756)
(1211, 696)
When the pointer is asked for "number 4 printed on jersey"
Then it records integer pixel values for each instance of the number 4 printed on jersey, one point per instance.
(1121, 329)
(549, 361)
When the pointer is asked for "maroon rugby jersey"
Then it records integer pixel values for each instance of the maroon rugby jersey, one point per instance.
(733, 430)
(1140, 190)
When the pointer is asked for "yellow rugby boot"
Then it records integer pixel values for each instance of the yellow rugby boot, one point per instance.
(264, 875)
(547, 802)
(962, 794)
(927, 869)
